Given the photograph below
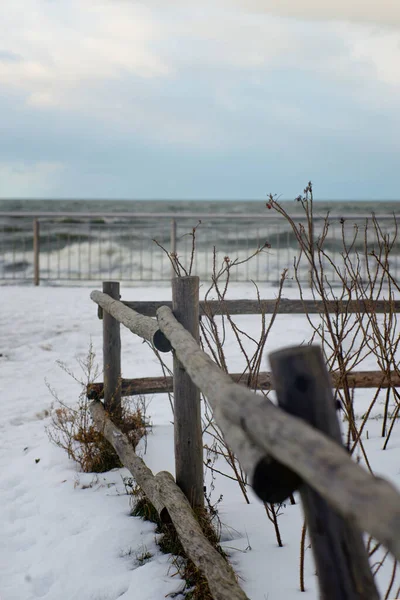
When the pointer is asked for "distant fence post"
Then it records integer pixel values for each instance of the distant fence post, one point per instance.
(187, 414)
(36, 251)
(312, 242)
(112, 355)
(304, 390)
(173, 244)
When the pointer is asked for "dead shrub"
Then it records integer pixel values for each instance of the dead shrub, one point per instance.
(71, 427)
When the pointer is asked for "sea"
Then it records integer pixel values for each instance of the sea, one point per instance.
(81, 241)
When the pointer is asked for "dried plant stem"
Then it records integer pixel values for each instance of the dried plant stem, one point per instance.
(302, 555)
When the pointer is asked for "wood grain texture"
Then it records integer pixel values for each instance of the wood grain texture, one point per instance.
(372, 503)
(112, 355)
(304, 390)
(172, 505)
(187, 415)
(145, 327)
(286, 306)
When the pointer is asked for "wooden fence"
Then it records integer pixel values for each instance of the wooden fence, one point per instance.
(294, 446)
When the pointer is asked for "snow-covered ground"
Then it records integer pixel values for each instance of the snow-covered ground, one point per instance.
(66, 535)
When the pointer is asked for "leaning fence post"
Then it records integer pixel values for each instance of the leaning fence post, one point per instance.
(36, 251)
(112, 355)
(187, 414)
(304, 390)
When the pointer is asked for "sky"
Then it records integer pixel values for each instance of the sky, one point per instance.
(223, 99)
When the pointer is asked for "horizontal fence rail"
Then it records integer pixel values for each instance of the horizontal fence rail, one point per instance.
(163, 385)
(81, 247)
(284, 306)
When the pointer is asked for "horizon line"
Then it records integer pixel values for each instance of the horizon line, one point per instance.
(122, 199)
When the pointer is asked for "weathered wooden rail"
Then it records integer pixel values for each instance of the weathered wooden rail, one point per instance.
(286, 306)
(296, 445)
(172, 505)
(162, 385)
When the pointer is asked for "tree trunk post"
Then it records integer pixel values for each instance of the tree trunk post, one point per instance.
(304, 390)
(187, 414)
(173, 244)
(112, 356)
(36, 251)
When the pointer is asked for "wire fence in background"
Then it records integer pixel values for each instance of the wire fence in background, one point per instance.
(76, 248)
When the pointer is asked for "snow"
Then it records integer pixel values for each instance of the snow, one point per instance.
(69, 535)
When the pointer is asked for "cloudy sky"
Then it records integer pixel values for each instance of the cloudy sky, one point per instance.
(212, 99)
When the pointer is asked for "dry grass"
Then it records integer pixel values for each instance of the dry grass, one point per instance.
(196, 586)
(71, 427)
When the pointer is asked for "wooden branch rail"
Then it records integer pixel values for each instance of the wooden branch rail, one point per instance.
(143, 326)
(286, 306)
(162, 385)
(372, 504)
(172, 505)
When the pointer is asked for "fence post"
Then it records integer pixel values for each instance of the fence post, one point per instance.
(304, 390)
(187, 414)
(173, 244)
(312, 242)
(36, 251)
(112, 356)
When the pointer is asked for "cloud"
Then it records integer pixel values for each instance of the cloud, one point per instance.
(381, 51)
(382, 12)
(356, 58)
(127, 63)
(48, 50)
(21, 179)
(102, 95)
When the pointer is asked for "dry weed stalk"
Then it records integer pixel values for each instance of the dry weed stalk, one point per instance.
(362, 276)
(71, 427)
(214, 336)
